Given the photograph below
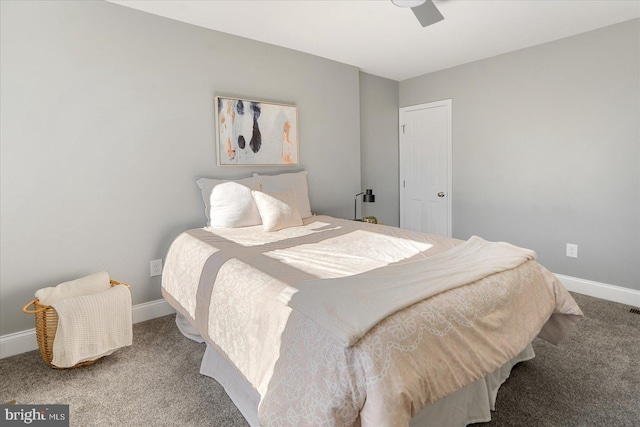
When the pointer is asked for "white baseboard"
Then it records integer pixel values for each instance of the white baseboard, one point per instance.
(151, 310)
(21, 342)
(601, 290)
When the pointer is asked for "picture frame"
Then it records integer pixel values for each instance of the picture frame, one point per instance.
(256, 133)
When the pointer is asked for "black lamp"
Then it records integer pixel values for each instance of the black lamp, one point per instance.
(368, 197)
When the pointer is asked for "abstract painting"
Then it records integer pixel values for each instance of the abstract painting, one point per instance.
(256, 132)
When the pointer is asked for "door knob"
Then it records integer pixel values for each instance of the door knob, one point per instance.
(441, 194)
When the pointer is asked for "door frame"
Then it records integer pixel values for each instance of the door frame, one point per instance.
(442, 103)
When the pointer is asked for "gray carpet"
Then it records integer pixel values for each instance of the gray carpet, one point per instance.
(591, 379)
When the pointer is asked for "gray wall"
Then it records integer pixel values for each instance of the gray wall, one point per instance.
(546, 150)
(379, 146)
(107, 120)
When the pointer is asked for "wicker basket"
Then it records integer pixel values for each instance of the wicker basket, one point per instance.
(46, 326)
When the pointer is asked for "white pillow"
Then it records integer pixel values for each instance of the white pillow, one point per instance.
(278, 210)
(296, 181)
(229, 203)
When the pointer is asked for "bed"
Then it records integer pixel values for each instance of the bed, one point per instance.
(252, 294)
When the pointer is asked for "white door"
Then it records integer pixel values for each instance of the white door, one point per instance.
(425, 167)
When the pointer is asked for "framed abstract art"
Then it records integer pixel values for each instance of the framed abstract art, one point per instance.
(256, 132)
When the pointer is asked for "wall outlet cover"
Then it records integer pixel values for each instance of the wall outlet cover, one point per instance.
(572, 250)
(155, 267)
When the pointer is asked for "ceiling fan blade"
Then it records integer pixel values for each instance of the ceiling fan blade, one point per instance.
(427, 13)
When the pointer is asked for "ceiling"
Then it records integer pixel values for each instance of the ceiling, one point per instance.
(382, 39)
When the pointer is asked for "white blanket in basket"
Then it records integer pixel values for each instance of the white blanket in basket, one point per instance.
(92, 326)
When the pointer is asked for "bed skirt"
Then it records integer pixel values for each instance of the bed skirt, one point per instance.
(471, 404)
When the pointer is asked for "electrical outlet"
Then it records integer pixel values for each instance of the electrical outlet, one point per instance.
(572, 250)
(155, 267)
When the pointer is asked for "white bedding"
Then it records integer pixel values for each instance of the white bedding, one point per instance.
(226, 282)
(471, 404)
(348, 307)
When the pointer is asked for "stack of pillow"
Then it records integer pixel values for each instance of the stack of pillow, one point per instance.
(275, 201)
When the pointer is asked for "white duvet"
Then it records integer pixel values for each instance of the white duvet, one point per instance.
(348, 307)
(227, 283)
